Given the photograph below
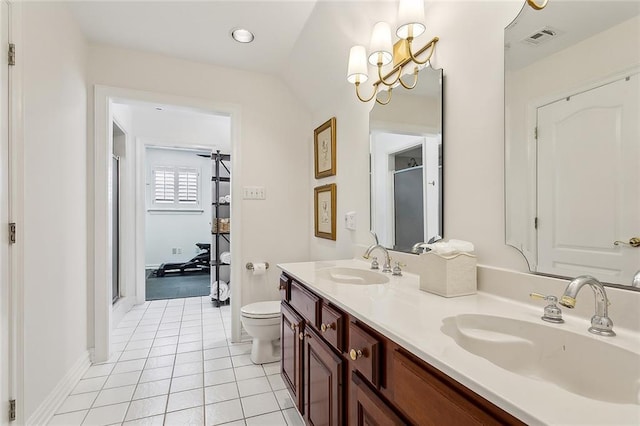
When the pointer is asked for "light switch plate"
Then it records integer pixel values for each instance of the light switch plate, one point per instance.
(253, 193)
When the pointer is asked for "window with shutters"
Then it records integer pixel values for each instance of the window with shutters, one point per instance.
(176, 187)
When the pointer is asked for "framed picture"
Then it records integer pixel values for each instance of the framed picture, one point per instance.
(324, 138)
(325, 211)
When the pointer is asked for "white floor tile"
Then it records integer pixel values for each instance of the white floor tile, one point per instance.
(253, 386)
(156, 374)
(78, 402)
(146, 407)
(240, 349)
(259, 404)
(271, 419)
(217, 364)
(223, 412)
(241, 360)
(219, 393)
(186, 357)
(167, 333)
(189, 338)
(122, 379)
(149, 389)
(188, 369)
(69, 419)
(134, 354)
(271, 368)
(190, 416)
(89, 385)
(98, 371)
(276, 382)
(128, 366)
(284, 399)
(114, 396)
(189, 347)
(183, 383)
(147, 421)
(163, 341)
(248, 372)
(160, 361)
(218, 377)
(143, 336)
(106, 415)
(163, 350)
(212, 352)
(123, 331)
(139, 344)
(186, 399)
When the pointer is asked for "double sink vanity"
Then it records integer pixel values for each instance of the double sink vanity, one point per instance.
(363, 347)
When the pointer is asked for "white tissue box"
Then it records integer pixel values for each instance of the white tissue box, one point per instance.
(449, 275)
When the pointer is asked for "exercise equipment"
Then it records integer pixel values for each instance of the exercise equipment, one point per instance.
(200, 263)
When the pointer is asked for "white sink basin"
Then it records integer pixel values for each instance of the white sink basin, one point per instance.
(346, 275)
(584, 365)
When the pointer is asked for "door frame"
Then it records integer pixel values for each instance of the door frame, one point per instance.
(104, 96)
(13, 310)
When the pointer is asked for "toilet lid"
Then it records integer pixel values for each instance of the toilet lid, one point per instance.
(262, 309)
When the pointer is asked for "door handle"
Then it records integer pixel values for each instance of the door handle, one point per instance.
(633, 242)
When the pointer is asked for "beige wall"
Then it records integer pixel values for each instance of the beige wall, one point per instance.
(274, 149)
(55, 198)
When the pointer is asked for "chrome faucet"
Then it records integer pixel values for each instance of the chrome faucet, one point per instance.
(386, 267)
(636, 280)
(601, 324)
(422, 245)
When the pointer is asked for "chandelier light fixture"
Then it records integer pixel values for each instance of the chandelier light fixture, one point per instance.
(384, 52)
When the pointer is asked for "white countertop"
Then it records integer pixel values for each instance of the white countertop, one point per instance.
(413, 318)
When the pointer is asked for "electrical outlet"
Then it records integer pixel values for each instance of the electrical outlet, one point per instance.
(350, 220)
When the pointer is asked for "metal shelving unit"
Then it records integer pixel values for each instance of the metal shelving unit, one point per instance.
(220, 237)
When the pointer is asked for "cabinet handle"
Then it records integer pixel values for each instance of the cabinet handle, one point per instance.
(324, 327)
(282, 287)
(301, 335)
(355, 354)
(293, 326)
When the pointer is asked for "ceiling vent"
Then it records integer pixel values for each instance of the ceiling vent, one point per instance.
(542, 36)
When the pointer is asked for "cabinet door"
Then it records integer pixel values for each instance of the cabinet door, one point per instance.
(323, 378)
(291, 359)
(369, 409)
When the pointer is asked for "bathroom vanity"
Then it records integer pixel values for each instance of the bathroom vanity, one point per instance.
(357, 353)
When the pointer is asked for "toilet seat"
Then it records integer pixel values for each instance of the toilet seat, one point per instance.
(261, 310)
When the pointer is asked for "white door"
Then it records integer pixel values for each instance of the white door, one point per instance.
(588, 183)
(5, 293)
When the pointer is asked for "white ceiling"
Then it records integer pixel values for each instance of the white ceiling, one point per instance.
(304, 42)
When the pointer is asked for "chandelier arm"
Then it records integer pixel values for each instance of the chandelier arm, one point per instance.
(388, 98)
(375, 92)
(388, 83)
(416, 60)
(415, 80)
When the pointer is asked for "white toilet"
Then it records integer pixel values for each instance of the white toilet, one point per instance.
(261, 320)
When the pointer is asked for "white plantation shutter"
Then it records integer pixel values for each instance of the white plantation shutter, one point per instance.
(164, 186)
(176, 187)
(187, 186)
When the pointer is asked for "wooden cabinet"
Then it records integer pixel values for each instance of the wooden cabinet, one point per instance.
(369, 408)
(291, 355)
(340, 371)
(323, 378)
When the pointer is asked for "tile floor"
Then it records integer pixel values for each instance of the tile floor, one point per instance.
(174, 365)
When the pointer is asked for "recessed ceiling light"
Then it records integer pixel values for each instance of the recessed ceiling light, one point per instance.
(241, 35)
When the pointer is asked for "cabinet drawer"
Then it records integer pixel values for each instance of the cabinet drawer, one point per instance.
(306, 303)
(429, 397)
(332, 326)
(364, 350)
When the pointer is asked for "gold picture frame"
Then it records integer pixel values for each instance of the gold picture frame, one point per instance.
(324, 149)
(325, 211)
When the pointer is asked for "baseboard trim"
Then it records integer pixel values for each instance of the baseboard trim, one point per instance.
(43, 414)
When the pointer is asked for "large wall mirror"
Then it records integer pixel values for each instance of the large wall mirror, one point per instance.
(406, 164)
(572, 138)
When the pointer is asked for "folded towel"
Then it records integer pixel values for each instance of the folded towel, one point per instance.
(225, 257)
(224, 290)
(451, 247)
(227, 198)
